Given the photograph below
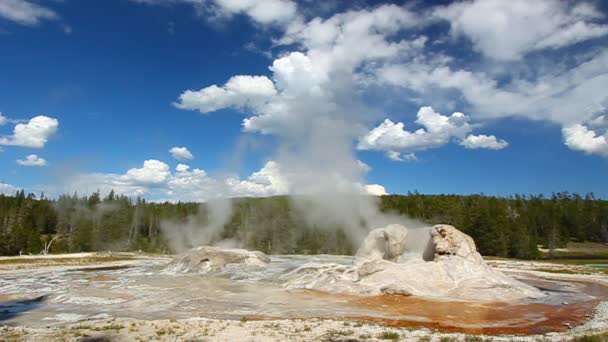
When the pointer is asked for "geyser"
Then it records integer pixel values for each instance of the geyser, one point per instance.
(383, 266)
(207, 259)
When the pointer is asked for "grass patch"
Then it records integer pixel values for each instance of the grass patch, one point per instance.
(55, 261)
(109, 327)
(591, 338)
(389, 335)
(336, 333)
(473, 338)
(165, 331)
(448, 339)
(81, 327)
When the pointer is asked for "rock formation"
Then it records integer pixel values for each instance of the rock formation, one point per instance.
(457, 271)
(206, 259)
(386, 243)
(449, 241)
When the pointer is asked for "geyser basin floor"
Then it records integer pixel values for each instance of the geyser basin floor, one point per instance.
(138, 289)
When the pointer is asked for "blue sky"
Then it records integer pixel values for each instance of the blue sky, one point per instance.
(95, 94)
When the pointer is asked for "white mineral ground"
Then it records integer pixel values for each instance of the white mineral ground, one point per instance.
(205, 293)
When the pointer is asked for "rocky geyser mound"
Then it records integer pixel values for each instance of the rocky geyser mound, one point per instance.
(385, 264)
(207, 259)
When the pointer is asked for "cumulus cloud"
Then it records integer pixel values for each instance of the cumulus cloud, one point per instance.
(320, 79)
(152, 172)
(265, 12)
(313, 98)
(181, 153)
(330, 62)
(261, 11)
(561, 93)
(32, 160)
(266, 182)
(321, 83)
(581, 138)
(156, 181)
(376, 190)
(398, 156)
(182, 168)
(437, 131)
(240, 91)
(508, 30)
(3, 119)
(484, 141)
(7, 189)
(25, 12)
(34, 133)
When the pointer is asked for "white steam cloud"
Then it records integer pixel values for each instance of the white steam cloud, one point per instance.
(312, 104)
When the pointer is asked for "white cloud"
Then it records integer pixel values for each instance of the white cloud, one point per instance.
(579, 137)
(316, 82)
(155, 180)
(375, 189)
(394, 155)
(438, 130)
(182, 168)
(558, 93)
(484, 141)
(7, 189)
(266, 12)
(32, 160)
(266, 182)
(363, 166)
(153, 172)
(240, 91)
(35, 133)
(332, 61)
(3, 119)
(104, 182)
(508, 30)
(261, 11)
(181, 153)
(397, 156)
(25, 12)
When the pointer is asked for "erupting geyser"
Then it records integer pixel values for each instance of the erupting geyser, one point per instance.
(386, 265)
(432, 262)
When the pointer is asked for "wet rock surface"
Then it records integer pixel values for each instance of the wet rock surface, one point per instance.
(383, 266)
(80, 295)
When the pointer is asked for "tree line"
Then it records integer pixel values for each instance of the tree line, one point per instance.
(511, 226)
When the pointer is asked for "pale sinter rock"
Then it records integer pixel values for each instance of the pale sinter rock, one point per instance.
(457, 270)
(449, 241)
(387, 243)
(209, 259)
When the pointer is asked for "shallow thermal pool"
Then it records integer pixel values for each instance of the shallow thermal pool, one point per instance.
(58, 295)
